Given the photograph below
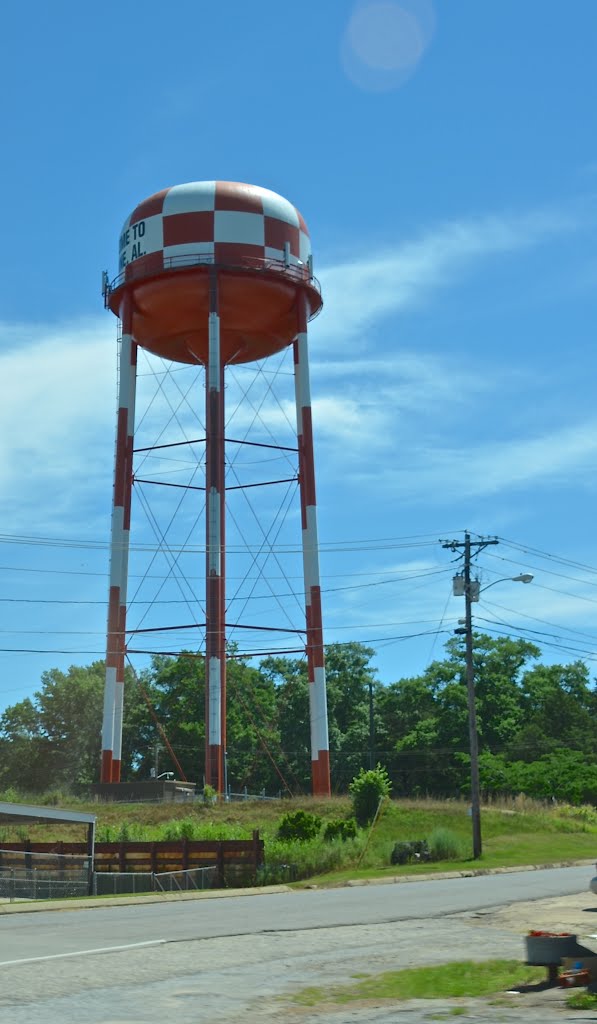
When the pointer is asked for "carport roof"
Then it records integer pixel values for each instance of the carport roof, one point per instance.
(27, 812)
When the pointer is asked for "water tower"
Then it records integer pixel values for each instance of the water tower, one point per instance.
(213, 273)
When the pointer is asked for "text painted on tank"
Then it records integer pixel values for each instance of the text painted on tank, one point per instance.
(131, 244)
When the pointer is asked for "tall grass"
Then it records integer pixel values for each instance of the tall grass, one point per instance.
(314, 857)
(123, 833)
(193, 828)
(170, 831)
(446, 845)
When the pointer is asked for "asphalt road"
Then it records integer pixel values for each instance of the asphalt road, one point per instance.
(221, 960)
(37, 935)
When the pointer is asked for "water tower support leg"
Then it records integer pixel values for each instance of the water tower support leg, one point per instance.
(121, 520)
(320, 756)
(215, 633)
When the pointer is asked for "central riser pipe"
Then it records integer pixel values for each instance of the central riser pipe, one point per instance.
(119, 555)
(215, 638)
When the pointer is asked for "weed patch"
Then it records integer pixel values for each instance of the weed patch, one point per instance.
(582, 1001)
(464, 979)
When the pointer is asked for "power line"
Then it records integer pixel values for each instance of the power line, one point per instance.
(538, 638)
(371, 544)
(527, 549)
(257, 597)
(550, 572)
(545, 622)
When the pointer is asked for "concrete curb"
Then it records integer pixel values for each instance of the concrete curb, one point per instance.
(105, 902)
(435, 876)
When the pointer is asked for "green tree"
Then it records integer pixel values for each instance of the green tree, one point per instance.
(254, 747)
(54, 739)
(177, 685)
(559, 708)
(430, 714)
(409, 733)
(175, 688)
(289, 678)
(24, 753)
(349, 674)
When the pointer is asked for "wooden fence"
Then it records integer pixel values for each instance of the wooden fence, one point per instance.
(235, 859)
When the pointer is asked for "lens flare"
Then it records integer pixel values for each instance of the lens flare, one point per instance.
(385, 40)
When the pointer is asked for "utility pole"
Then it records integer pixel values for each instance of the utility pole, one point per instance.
(371, 728)
(471, 593)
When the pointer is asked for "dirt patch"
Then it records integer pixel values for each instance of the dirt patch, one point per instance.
(577, 914)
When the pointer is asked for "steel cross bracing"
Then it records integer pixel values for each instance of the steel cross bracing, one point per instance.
(266, 548)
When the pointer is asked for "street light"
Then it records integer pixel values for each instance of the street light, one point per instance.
(524, 577)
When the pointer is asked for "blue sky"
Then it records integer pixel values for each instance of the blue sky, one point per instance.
(444, 158)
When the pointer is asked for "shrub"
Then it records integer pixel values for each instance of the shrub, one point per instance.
(414, 850)
(446, 845)
(340, 828)
(299, 825)
(11, 795)
(366, 790)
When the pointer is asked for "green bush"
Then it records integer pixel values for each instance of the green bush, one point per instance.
(340, 828)
(366, 790)
(410, 852)
(11, 796)
(300, 826)
(446, 845)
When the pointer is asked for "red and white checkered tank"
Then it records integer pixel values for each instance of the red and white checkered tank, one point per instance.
(256, 242)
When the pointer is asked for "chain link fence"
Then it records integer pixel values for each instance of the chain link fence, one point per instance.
(43, 876)
(113, 883)
(184, 881)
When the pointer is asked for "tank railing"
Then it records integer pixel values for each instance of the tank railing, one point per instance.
(296, 272)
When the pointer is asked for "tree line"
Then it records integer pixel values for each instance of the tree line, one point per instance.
(536, 724)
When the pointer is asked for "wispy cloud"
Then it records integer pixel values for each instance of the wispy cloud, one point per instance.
(407, 379)
(359, 292)
(482, 470)
(57, 397)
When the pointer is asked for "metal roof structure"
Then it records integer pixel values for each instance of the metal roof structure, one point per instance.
(28, 812)
(15, 813)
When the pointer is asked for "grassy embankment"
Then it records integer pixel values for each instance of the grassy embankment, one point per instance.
(521, 832)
